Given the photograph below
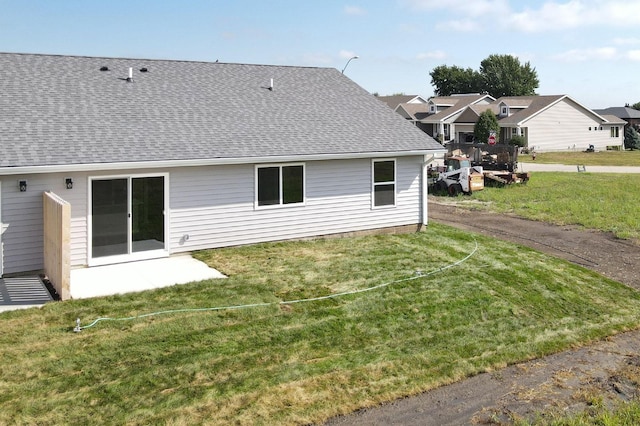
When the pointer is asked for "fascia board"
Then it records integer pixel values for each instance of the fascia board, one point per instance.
(69, 168)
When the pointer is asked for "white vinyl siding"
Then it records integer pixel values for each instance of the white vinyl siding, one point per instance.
(214, 207)
(2, 229)
(22, 233)
(565, 126)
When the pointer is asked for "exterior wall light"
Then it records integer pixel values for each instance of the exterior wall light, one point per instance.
(68, 183)
(22, 185)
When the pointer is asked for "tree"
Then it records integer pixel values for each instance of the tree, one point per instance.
(451, 80)
(486, 123)
(503, 75)
(631, 139)
(499, 75)
(636, 106)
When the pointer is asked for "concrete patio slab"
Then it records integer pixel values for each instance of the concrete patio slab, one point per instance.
(138, 276)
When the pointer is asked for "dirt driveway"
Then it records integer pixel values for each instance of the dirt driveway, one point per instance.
(570, 381)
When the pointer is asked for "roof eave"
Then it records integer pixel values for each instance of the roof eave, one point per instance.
(69, 168)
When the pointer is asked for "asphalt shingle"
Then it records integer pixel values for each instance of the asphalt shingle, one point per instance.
(57, 110)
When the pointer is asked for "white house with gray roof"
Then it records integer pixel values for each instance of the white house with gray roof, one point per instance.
(630, 115)
(437, 116)
(550, 123)
(159, 157)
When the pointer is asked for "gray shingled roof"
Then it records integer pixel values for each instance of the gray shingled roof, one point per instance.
(394, 100)
(533, 104)
(457, 103)
(57, 110)
(620, 112)
(416, 111)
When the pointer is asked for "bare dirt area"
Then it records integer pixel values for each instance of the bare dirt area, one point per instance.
(602, 373)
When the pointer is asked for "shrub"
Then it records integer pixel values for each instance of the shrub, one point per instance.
(518, 140)
(487, 122)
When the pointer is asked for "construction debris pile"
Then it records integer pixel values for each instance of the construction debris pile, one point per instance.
(465, 165)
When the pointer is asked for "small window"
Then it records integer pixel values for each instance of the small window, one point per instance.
(384, 183)
(280, 185)
(615, 132)
(504, 110)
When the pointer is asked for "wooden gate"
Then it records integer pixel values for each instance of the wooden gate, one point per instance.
(57, 243)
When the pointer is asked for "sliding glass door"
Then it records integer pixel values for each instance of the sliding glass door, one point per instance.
(127, 216)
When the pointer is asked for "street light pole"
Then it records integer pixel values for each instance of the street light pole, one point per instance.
(347, 64)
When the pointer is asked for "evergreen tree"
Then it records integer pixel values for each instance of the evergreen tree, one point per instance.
(486, 123)
(631, 139)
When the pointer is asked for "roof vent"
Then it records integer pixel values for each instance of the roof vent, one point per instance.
(130, 78)
(144, 69)
(104, 68)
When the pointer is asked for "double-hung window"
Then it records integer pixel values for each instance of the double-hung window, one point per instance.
(615, 132)
(384, 183)
(278, 185)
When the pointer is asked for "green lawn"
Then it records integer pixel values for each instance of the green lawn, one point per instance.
(604, 201)
(298, 363)
(601, 158)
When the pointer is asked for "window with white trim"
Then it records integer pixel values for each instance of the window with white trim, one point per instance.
(384, 183)
(278, 185)
(615, 132)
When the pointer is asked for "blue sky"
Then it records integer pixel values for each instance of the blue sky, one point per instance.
(587, 49)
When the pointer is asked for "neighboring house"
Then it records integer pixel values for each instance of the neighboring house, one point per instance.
(550, 123)
(394, 100)
(630, 115)
(411, 107)
(437, 117)
(414, 113)
(443, 112)
(158, 157)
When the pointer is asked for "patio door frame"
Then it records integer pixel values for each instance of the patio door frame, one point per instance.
(130, 256)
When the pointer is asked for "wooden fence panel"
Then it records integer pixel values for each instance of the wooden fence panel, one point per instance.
(57, 243)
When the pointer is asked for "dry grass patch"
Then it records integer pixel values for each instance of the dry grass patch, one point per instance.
(308, 361)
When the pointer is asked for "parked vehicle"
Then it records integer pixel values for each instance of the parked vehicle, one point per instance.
(458, 176)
